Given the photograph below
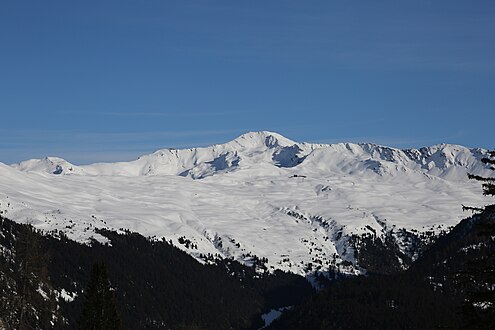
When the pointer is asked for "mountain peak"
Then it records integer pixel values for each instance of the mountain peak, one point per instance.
(47, 165)
(263, 138)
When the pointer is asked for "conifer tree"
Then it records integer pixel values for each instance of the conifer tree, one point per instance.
(488, 182)
(479, 305)
(36, 310)
(99, 310)
(27, 297)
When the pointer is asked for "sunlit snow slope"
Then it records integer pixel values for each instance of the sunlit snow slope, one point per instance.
(260, 194)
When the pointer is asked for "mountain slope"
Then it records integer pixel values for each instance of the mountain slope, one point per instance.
(156, 285)
(302, 206)
(429, 295)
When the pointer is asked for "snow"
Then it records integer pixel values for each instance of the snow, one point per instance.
(277, 198)
(272, 315)
(42, 293)
(67, 296)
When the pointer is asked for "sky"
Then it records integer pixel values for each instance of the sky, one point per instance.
(104, 80)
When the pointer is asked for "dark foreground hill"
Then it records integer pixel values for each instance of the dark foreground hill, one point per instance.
(156, 285)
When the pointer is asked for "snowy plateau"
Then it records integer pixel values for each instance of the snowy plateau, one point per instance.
(296, 205)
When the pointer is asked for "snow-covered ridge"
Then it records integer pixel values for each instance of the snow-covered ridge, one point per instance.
(261, 194)
(257, 149)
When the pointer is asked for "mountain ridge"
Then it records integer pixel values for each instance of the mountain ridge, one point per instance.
(279, 150)
(302, 206)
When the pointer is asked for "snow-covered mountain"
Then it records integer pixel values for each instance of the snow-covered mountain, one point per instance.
(300, 205)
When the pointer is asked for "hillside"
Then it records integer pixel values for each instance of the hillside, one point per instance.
(429, 295)
(156, 285)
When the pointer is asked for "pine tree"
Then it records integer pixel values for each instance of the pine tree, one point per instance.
(488, 183)
(27, 297)
(488, 186)
(479, 305)
(36, 310)
(99, 310)
(30, 267)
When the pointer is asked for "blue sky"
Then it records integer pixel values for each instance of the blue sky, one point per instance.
(111, 80)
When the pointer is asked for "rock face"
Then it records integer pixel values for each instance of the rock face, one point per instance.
(304, 207)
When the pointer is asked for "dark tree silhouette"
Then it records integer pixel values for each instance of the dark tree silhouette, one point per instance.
(99, 310)
(31, 261)
(479, 305)
(488, 183)
(27, 297)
